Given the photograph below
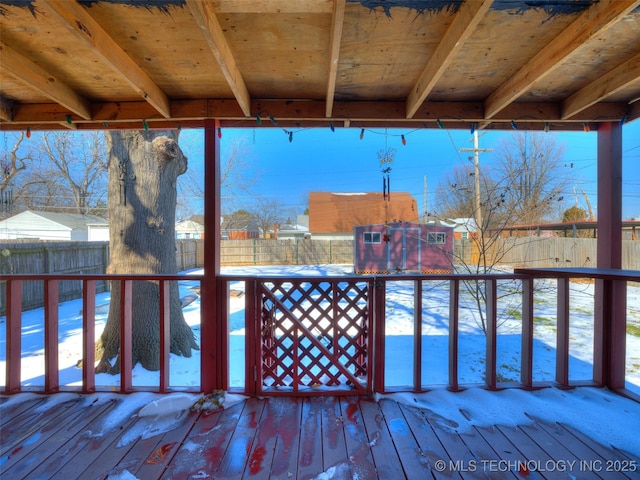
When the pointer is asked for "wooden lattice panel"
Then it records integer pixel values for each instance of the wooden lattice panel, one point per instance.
(314, 335)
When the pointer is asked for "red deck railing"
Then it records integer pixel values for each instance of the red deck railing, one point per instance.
(326, 335)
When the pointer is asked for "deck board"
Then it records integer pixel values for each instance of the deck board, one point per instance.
(286, 438)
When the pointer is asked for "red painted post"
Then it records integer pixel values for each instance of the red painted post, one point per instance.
(126, 347)
(526, 355)
(417, 335)
(454, 304)
(610, 296)
(214, 365)
(562, 335)
(491, 335)
(378, 352)
(165, 332)
(14, 335)
(51, 374)
(88, 336)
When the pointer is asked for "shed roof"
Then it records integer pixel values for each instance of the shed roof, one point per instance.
(360, 63)
(340, 212)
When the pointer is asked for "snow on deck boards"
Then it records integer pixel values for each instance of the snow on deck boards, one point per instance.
(323, 438)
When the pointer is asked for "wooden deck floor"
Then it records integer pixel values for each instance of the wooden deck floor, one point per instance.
(285, 438)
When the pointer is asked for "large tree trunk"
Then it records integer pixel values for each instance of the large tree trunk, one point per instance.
(143, 171)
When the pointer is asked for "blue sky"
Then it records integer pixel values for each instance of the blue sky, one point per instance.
(318, 159)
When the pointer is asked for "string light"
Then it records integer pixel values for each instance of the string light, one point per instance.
(586, 127)
(258, 119)
(361, 134)
(623, 120)
(28, 132)
(514, 125)
(332, 126)
(219, 132)
(105, 124)
(546, 126)
(440, 125)
(273, 120)
(404, 140)
(473, 127)
(145, 125)
(290, 137)
(68, 118)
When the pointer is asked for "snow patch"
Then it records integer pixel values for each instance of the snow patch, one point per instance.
(168, 405)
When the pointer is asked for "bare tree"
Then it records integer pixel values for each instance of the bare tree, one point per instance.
(143, 170)
(11, 164)
(238, 174)
(531, 164)
(266, 213)
(77, 163)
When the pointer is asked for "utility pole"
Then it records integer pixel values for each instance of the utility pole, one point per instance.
(476, 163)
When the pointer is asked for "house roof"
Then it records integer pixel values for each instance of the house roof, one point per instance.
(86, 64)
(70, 220)
(340, 212)
(244, 222)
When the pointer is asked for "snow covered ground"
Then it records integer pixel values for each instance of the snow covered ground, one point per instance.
(609, 411)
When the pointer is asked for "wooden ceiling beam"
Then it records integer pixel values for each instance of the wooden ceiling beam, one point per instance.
(24, 70)
(464, 23)
(302, 113)
(622, 76)
(337, 22)
(592, 22)
(86, 29)
(208, 22)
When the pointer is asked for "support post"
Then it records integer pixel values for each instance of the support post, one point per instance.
(610, 296)
(213, 321)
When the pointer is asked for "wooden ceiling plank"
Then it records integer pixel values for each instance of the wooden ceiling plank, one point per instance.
(464, 23)
(592, 22)
(620, 77)
(208, 22)
(77, 20)
(337, 22)
(274, 6)
(26, 71)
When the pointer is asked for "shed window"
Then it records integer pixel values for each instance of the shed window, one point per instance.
(371, 237)
(436, 237)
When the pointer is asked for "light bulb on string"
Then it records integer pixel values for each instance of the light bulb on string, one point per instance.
(361, 134)
(440, 124)
(290, 137)
(219, 132)
(404, 140)
(514, 125)
(258, 119)
(332, 126)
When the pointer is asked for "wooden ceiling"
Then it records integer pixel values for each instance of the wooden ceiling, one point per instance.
(533, 64)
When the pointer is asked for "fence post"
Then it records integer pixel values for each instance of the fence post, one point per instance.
(330, 252)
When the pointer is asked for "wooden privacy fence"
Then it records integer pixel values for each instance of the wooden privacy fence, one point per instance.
(297, 251)
(554, 252)
(84, 258)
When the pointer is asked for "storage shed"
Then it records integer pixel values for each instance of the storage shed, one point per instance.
(403, 247)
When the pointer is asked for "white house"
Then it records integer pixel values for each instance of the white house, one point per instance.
(54, 226)
(191, 228)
